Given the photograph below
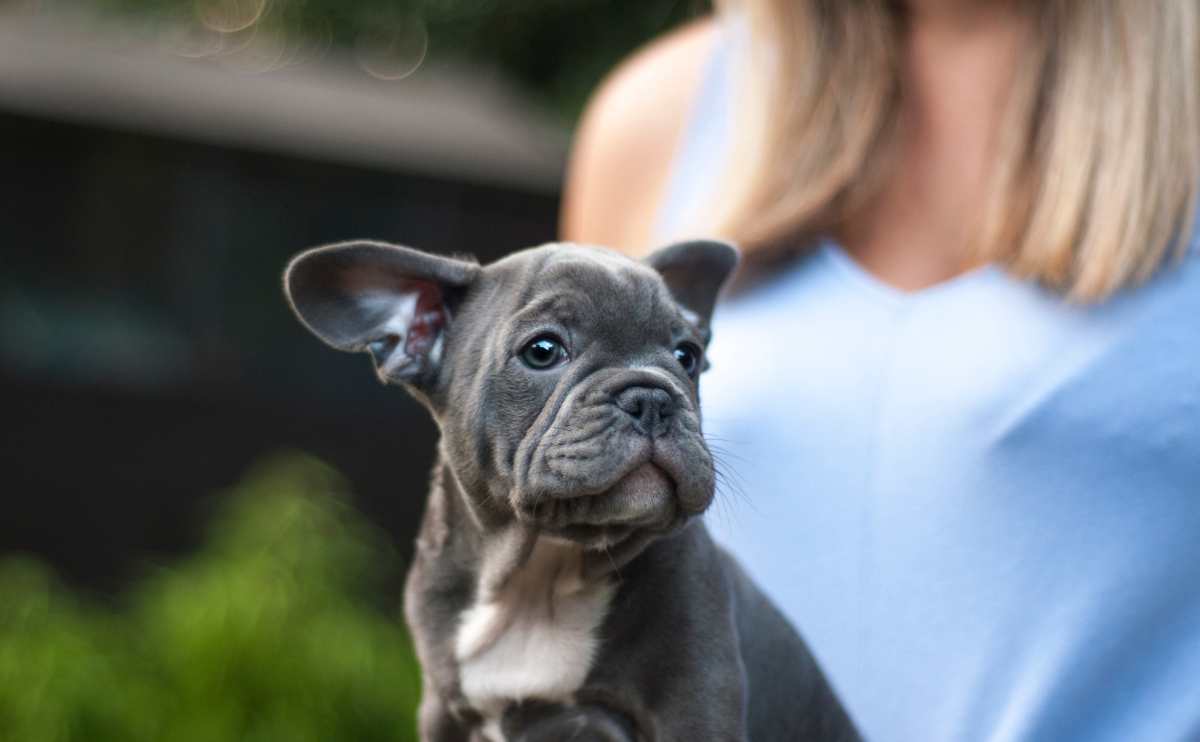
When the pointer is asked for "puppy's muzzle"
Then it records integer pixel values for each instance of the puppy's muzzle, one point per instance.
(620, 455)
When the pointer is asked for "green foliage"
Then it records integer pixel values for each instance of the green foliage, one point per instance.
(559, 49)
(270, 632)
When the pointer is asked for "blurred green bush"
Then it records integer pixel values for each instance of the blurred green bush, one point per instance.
(272, 631)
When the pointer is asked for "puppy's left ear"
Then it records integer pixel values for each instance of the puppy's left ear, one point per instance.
(390, 301)
(695, 271)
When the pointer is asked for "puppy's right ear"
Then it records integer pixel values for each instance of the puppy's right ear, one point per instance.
(390, 301)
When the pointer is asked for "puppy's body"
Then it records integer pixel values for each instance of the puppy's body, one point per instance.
(562, 587)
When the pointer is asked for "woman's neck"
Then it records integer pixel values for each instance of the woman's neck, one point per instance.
(957, 66)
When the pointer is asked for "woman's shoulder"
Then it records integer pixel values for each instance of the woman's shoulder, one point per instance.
(623, 149)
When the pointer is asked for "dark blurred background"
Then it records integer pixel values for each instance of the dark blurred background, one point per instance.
(207, 513)
(163, 159)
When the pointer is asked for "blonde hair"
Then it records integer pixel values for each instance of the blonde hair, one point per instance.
(1097, 163)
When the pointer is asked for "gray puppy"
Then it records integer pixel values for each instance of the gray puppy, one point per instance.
(562, 587)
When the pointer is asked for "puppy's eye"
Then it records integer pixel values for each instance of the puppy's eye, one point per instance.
(544, 351)
(688, 356)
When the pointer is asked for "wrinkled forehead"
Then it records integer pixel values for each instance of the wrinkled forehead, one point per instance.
(587, 286)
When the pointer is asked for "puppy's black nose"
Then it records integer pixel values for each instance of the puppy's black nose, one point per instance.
(650, 408)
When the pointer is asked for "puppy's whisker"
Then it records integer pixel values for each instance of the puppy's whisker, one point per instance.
(715, 444)
(727, 476)
(733, 486)
(612, 562)
(731, 497)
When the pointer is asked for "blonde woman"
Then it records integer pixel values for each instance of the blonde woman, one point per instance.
(959, 382)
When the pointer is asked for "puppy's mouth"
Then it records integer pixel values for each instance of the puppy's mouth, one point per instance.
(643, 499)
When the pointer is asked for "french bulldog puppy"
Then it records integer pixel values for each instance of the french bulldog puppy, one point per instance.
(563, 587)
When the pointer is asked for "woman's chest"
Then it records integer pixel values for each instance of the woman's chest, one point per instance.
(988, 371)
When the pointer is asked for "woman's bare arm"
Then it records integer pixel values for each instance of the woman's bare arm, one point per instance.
(622, 153)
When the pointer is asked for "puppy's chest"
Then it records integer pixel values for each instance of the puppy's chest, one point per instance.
(536, 638)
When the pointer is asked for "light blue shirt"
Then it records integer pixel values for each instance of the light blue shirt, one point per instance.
(979, 504)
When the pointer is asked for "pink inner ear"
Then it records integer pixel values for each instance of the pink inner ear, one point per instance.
(429, 317)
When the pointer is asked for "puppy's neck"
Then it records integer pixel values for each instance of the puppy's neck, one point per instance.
(530, 628)
(491, 543)
(549, 575)
(535, 636)
(483, 542)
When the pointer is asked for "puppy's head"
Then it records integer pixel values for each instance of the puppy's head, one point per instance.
(564, 377)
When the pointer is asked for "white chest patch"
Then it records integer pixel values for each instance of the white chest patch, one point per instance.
(536, 638)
